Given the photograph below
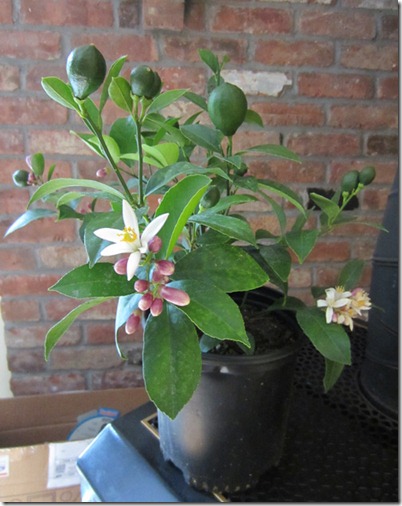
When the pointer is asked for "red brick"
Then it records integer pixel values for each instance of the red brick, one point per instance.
(20, 310)
(195, 15)
(11, 142)
(340, 25)
(183, 77)
(335, 85)
(300, 277)
(390, 27)
(31, 111)
(129, 15)
(251, 20)
(35, 384)
(382, 145)
(249, 138)
(36, 72)
(26, 360)
(8, 167)
(279, 113)
(94, 357)
(294, 53)
(103, 333)
(40, 45)
(120, 378)
(56, 257)
(163, 14)
(56, 142)
(388, 87)
(43, 231)
(375, 199)
(307, 144)
(369, 117)
(32, 284)
(183, 48)
(13, 200)
(364, 248)
(138, 48)
(9, 78)
(21, 259)
(92, 13)
(285, 171)
(330, 251)
(6, 12)
(33, 336)
(370, 56)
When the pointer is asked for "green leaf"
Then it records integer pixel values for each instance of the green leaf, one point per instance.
(59, 184)
(126, 305)
(302, 242)
(227, 225)
(278, 260)
(253, 118)
(114, 71)
(120, 93)
(165, 154)
(204, 136)
(180, 202)
(330, 208)
(333, 370)
(228, 267)
(123, 131)
(93, 221)
(163, 176)
(197, 100)
(165, 99)
(38, 163)
(330, 339)
(57, 331)
(60, 92)
(27, 217)
(210, 59)
(231, 200)
(350, 275)
(284, 192)
(99, 281)
(93, 143)
(213, 311)
(171, 360)
(275, 150)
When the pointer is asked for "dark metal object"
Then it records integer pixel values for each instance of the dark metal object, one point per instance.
(338, 448)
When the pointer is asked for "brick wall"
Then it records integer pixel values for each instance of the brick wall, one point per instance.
(322, 74)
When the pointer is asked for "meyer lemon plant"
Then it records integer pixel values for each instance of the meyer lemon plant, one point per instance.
(173, 265)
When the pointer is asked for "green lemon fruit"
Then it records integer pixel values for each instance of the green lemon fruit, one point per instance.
(86, 70)
(20, 178)
(145, 82)
(350, 181)
(227, 108)
(367, 175)
(211, 197)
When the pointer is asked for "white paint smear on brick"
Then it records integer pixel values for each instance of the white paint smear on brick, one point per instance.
(258, 83)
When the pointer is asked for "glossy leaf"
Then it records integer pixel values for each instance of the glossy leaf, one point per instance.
(120, 93)
(171, 360)
(123, 131)
(94, 144)
(165, 99)
(235, 228)
(164, 153)
(93, 221)
(204, 136)
(114, 71)
(283, 191)
(210, 59)
(180, 202)
(350, 275)
(125, 307)
(213, 311)
(60, 92)
(253, 118)
(302, 242)
(274, 150)
(228, 267)
(278, 260)
(333, 370)
(331, 340)
(28, 217)
(57, 331)
(330, 208)
(99, 281)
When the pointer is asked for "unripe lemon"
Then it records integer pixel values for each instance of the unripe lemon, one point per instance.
(145, 82)
(350, 181)
(227, 108)
(86, 70)
(367, 175)
(20, 178)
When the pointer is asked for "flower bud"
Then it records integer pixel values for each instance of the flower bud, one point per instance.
(157, 277)
(146, 301)
(164, 267)
(132, 324)
(155, 244)
(141, 285)
(101, 173)
(120, 267)
(175, 296)
(157, 307)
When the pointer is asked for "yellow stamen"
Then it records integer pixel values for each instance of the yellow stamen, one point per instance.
(128, 235)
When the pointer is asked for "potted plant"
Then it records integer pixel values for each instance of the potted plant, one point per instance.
(186, 264)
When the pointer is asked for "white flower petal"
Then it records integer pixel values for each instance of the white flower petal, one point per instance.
(328, 314)
(322, 303)
(132, 264)
(116, 249)
(129, 217)
(153, 228)
(109, 234)
(340, 302)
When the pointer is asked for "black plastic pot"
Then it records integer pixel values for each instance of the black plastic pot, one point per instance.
(379, 374)
(233, 428)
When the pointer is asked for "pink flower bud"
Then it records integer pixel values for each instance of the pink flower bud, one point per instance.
(157, 277)
(157, 307)
(141, 285)
(146, 301)
(101, 173)
(132, 324)
(120, 267)
(155, 244)
(165, 267)
(28, 161)
(175, 296)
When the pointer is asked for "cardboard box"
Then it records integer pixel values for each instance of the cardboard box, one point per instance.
(28, 424)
